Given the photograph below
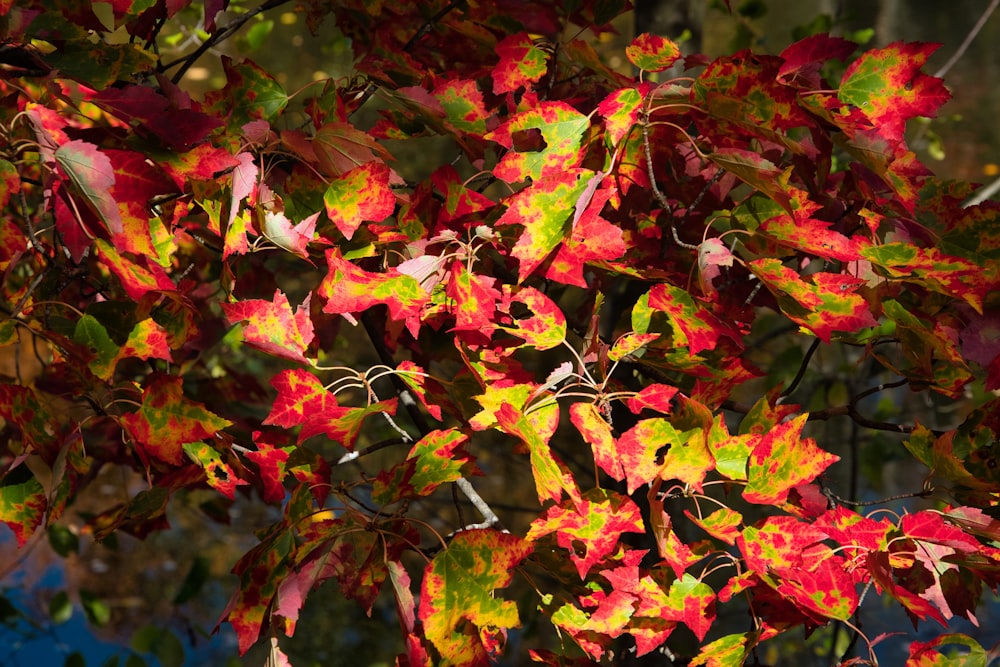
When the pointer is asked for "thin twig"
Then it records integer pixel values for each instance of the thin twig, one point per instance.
(225, 33)
(963, 47)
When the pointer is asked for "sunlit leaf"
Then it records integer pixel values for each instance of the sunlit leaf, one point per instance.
(781, 460)
(458, 602)
(168, 420)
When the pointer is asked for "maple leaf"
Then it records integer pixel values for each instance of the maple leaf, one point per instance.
(303, 401)
(551, 475)
(593, 524)
(728, 651)
(803, 60)
(339, 147)
(652, 53)
(889, 88)
(730, 452)
(561, 127)
(475, 299)
(360, 194)
(350, 289)
(463, 104)
(260, 570)
(521, 63)
(824, 590)
(543, 210)
(92, 335)
(179, 128)
(674, 551)
(782, 459)
(693, 325)
(535, 318)
(168, 420)
(826, 303)
(722, 524)
(591, 238)
(436, 459)
(272, 327)
(458, 602)
(621, 111)
(137, 277)
(136, 183)
(927, 654)
(147, 340)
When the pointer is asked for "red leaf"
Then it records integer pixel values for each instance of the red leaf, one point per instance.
(594, 525)
(521, 63)
(551, 476)
(653, 397)
(271, 326)
(137, 277)
(361, 194)
(782, 460)
(303, 401)
(349, 289)
(652, 53)
(804, 59)
(475, 299)
(168, 420)
(597, 432)
(591, 239)
(890, 89)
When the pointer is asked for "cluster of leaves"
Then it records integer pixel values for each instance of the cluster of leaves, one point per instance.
(581, 274)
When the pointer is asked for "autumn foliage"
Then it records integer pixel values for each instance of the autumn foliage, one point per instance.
(582, 278)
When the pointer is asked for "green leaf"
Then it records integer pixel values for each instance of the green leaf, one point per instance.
(90, 333)
(62, 540)
(60, 608)
(458, 598)
(160, 642)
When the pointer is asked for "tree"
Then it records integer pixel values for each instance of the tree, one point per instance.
(690, 305)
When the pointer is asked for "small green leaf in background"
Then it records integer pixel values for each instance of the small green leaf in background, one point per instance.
(97, 610)
(60, 608)
(62, 540)
(258, 32)
(162, 643)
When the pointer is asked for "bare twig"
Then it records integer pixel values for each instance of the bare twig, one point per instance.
(964, 46)
(220, 35)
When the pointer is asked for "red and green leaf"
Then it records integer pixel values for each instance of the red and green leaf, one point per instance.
(272, 327)
(458, 603)
(781, 460)
(168, 420)
(592, 525)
